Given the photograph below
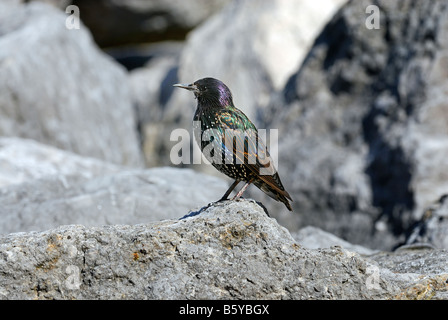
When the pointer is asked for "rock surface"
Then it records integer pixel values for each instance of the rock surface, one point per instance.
(421, 274)
(231, 250)
(362, 124)
(56, 87)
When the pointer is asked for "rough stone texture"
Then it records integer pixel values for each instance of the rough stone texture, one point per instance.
(143, 21)
(231, 250)
(42, 187)
(363, 123)
(56, 86)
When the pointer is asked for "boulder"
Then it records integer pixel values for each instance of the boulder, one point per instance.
(362, 123)
(231, 250)
(58, 88)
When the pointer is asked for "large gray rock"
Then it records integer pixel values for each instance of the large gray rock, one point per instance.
(256, 53)
(231, 250)
(363, 122)
(57, 87)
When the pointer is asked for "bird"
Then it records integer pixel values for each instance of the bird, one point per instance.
(230, 141)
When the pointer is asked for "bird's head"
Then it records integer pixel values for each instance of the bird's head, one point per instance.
(209, 92)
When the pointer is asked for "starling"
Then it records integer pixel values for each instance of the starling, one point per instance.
(229, 140)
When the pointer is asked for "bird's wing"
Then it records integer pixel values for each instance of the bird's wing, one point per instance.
(248, 148)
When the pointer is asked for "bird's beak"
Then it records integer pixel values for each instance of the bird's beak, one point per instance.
(191, 87)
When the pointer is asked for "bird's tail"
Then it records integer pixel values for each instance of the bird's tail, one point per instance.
(285, 201)
(276, 194)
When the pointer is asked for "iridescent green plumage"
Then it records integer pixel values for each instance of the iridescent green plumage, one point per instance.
(230, 141)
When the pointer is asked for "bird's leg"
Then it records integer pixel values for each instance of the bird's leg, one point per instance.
(240, 193)
(234, 184)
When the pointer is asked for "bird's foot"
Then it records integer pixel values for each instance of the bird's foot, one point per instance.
(195, 213)
(221, 200)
